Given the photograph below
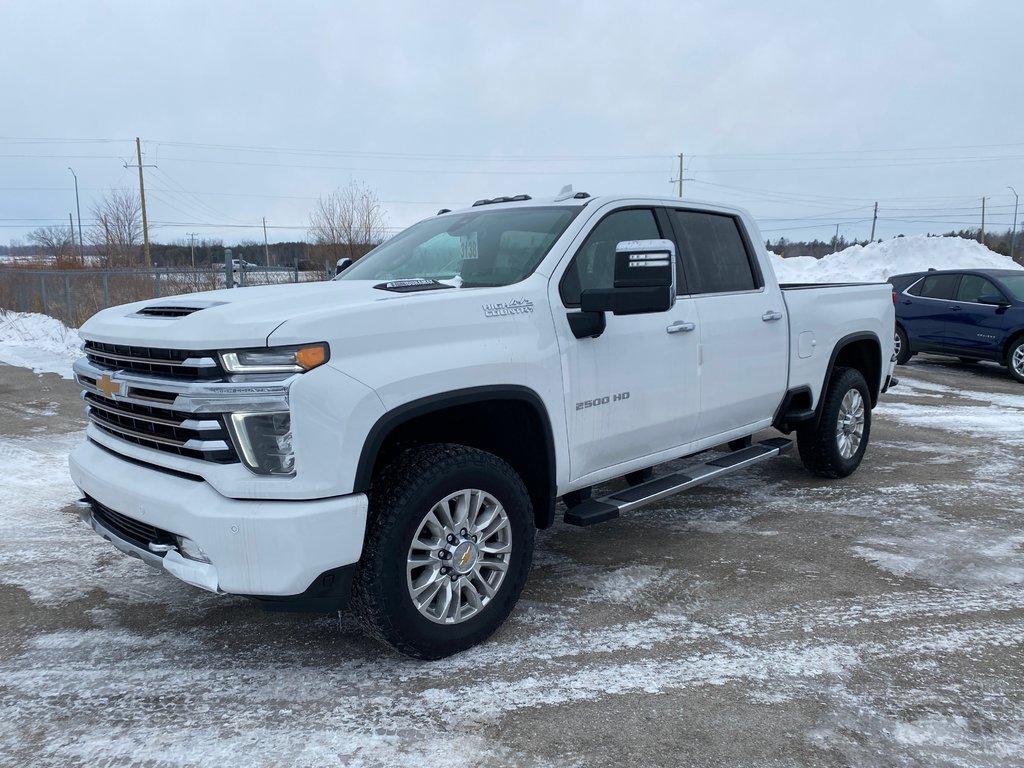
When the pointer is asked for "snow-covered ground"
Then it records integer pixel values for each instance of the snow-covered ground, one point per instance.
(769, 619)
(38, 342)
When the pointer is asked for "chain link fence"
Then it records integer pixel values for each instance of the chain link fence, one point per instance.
(74, 295)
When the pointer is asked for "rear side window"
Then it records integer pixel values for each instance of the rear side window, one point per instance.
(715, 257)
(974, 286)
(593, 266)
(936, 287)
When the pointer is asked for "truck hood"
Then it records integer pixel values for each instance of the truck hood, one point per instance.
(222, 319)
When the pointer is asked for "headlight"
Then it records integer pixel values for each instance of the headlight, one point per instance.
(275, 359)
(264, 441)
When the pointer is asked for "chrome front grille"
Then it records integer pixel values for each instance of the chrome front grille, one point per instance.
(185, 414)
(202, 436)
(202, 365)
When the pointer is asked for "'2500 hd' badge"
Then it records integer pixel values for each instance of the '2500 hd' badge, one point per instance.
(512, 307)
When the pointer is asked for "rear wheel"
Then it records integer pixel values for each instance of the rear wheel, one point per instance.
(835, 445)
(1015, 359)
(902, 346)
(448, 550)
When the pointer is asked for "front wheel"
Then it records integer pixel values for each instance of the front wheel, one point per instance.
(1015, 359)
(448, 550)
(835, 445)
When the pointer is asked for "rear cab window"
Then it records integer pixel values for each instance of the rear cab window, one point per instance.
(715, 255)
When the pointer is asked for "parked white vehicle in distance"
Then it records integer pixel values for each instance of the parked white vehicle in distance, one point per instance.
(396, 435)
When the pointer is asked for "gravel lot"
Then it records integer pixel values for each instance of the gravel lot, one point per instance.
(770, 619)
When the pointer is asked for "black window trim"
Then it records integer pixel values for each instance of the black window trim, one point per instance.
(754, 263)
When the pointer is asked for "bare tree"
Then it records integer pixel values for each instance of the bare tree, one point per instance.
(56, 242)
(347, 223)
(117, 234)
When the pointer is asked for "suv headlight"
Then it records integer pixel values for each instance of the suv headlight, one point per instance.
(275, 360)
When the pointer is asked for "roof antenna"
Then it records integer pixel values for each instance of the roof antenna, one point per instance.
(565, 194)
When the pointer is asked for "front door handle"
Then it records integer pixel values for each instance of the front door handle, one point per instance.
(771, 316)
(681, 326)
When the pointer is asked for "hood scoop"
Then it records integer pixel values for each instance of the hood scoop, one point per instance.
(174, 310)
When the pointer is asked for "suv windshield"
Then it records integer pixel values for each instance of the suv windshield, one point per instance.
(485, 248)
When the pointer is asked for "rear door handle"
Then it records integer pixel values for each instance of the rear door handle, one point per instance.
(681, 326)
(771, 316)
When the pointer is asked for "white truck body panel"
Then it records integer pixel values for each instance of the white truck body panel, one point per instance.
(641, 393)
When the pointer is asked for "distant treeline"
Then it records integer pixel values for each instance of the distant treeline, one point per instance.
(211, 252)
(999, 242)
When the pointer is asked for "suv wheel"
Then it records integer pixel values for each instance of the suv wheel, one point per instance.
(902, 346)
(1015, 359)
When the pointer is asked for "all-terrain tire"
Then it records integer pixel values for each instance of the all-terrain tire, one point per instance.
(835, 444)
(430, 583)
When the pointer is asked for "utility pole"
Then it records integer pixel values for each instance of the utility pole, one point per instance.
(835, 240)
(142, 197)
(192, 240)
(1013, 237)
(81, 249)
(983, 221)
(680, 174)
(874, 218)
(72, 225)
(266, 248)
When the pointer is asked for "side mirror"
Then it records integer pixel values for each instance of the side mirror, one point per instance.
(645, 280)
(997, 301)
(342, 265)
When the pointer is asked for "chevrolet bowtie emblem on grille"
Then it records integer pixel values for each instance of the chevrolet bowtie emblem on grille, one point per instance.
(108, 386)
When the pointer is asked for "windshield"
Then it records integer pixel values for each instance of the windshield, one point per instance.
(1015, 285)
(485, 248)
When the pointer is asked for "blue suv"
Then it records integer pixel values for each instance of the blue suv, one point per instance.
(973, 314)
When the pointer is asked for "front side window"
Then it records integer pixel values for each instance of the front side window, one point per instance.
(715, 258)
(1015, 285)
(936, 287)
(972, 287)
(593, 266)
(489, 247)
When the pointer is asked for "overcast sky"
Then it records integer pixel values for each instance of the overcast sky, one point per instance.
(804, 112)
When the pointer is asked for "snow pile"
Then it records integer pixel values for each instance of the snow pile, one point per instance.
(39, 342)
(875, 262)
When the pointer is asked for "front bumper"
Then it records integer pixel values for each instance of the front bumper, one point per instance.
(255, 546)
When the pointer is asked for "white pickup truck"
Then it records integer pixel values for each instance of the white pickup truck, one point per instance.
(396, 435)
